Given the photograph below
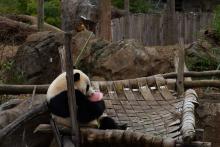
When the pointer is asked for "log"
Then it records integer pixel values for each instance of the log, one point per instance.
(202, 83)
(42, 89)
(17, 28)
(194, 74)
(22, 89)
(13, 29)
(214, 97)
(10, 104)
(32, 21)
(23, 126)
(10, 115)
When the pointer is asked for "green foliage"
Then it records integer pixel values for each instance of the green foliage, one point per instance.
(139, 6)
(7, 6)
(51, 11)
(216, 21)
(9, 75)
(136, 6)
(118, 3)
(201, 64)
(200, 61)
(51, 8)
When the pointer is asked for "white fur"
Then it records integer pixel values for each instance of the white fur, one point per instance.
(59, 85)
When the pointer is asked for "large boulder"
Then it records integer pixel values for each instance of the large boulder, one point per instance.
(38, 58)
(123, 59)
(39, 61)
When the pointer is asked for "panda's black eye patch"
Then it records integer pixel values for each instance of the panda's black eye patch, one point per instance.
(76, 77)
(87, 88)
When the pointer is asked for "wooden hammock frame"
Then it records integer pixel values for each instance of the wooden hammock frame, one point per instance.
(155, 116)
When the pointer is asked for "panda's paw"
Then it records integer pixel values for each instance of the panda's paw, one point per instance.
(109, 123)
(123, 127)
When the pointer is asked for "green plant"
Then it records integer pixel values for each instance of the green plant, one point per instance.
(29, 7)
(216, 20)
(9, 6)
(202, 64)
(136, 6)
(9, 75)
(51, 11)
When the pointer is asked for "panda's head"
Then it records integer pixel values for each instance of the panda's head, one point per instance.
(81, 83)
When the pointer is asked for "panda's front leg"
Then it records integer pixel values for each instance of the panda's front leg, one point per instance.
(66, 122)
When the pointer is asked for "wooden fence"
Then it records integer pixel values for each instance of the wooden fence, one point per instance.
(154, 29)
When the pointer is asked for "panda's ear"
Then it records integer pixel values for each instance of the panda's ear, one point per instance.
(76, 77)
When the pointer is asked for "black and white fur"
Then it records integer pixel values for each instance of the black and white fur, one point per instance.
(87, 112)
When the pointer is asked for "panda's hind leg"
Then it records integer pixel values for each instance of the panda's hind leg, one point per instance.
(109, 123)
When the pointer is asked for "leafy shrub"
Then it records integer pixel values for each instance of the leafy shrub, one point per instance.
(51, 11)
(9, 6)
(29, 7)
(136, 6)
(216, 21)
(9, 75)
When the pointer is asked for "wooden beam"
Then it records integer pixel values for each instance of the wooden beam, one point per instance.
(194, 74)
(42, 89)
(22, 89)
(40, 15)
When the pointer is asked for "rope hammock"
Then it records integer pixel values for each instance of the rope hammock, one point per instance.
(150, 107)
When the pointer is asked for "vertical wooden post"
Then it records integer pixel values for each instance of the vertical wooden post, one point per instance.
(69, 8)
(70, 87)
(126, 25)
(40, 15)
(180, 70)
(104, 30)
(62, 58)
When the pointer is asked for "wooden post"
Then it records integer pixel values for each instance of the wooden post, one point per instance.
(69, 9)
(62, 58)
(180, 70)
(70, 87)
(104, 30)
(40, 15)
(126, 25)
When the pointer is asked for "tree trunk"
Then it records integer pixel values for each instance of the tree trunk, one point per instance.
(68, 15)
(105, 19)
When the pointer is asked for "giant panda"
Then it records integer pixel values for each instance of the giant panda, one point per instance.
(90, 103)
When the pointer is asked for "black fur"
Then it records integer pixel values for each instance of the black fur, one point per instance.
(109, 123)
(86, 112)
(76, 77)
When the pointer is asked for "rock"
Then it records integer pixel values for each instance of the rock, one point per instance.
(38, 58)
(122, 60)
(14, 32)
